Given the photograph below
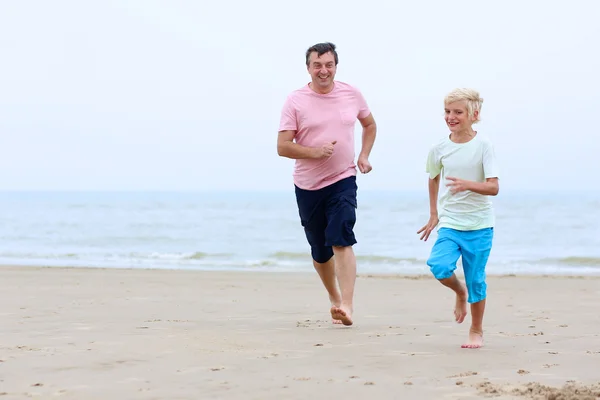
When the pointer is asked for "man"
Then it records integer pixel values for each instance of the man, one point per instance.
(317, 130)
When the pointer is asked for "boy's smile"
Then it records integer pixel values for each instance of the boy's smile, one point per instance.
(457, 116)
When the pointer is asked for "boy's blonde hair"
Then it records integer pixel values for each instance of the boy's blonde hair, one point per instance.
(474, 102)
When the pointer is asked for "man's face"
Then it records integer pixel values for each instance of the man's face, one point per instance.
(322, 69)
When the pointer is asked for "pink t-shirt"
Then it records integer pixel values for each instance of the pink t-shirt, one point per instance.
(321, 118)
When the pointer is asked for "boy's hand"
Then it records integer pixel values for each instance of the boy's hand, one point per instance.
(457, 185)
(364, 165)
(429, 227)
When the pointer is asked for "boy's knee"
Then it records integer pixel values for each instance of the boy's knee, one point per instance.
(440, 268)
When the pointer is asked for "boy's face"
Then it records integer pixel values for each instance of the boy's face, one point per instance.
(457, 116)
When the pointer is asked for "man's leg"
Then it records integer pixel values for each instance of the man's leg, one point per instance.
(326, 272)
(314, 221)
(477, 247)
(324, 263)
(340, 211)
(442, 263)
(346, 277)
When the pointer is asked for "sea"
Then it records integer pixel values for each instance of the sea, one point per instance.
(535, 233)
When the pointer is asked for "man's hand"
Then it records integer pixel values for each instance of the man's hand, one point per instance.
(364, 165)
(457, 185)
(429, 227)
(325, 151)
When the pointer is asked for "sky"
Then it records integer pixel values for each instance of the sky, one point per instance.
(186, 95)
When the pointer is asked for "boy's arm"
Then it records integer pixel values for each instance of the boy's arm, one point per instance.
(434, 187)
(490, 187)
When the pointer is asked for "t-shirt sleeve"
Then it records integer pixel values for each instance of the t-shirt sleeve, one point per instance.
(288, 121)
(433, 166)
(363, 107)
(490, 163)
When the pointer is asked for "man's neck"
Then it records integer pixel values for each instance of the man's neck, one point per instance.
(315, 89)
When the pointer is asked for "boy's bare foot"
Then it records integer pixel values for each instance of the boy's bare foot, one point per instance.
(475, 340)
(460, 309)
(342, 315)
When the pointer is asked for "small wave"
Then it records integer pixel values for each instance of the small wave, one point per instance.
(198, 255)
(574, 260)
(39, 255)
(262, 263)
(388, 260)
(368, 258)
(286, 255)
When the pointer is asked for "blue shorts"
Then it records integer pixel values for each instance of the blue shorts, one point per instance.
(474, 247)
(328, 216)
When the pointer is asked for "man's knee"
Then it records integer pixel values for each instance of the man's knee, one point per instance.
(321, 254)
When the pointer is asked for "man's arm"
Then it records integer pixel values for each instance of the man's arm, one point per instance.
(368, 135)
(287, 148)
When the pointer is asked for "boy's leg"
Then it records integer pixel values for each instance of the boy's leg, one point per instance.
(313, 219)
(476, 250)
(341, 216)
(442, 263)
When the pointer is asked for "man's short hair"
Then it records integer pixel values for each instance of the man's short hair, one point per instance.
(322, 48)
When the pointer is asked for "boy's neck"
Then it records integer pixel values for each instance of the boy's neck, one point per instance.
(463, 136)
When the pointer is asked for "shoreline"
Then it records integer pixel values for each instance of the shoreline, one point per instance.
(306, 271)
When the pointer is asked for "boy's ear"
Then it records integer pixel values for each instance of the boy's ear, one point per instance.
(475, 115)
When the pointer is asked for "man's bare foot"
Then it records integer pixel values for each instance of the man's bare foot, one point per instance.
(460, 309)
(339, 314)
(335, 302)
(475, 340)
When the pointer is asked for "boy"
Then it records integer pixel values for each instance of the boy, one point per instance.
(465, 221)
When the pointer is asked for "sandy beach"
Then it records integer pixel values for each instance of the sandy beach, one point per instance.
(77, 333)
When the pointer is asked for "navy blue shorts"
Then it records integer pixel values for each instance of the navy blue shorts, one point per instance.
(328, 216)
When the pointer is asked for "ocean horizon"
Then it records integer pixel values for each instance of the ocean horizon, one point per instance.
(537, 232)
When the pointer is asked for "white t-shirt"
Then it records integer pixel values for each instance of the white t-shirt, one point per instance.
(474, 160)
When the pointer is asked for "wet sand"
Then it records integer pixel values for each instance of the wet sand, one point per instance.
(82, 333)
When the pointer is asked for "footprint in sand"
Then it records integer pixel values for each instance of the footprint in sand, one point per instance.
(550, 365)
(464, 374)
